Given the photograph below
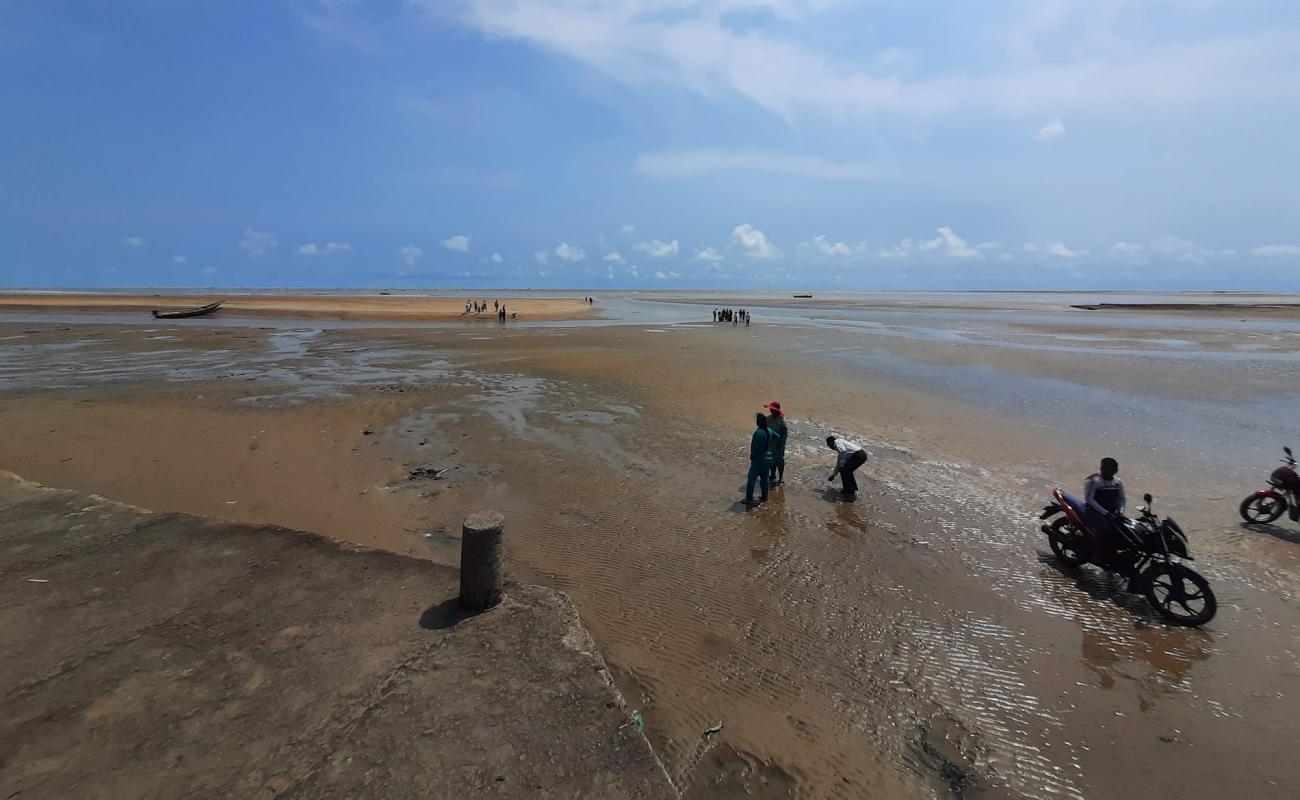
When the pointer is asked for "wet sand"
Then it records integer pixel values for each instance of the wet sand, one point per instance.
(344, 307)
(920, 642)
(150, 652)
(1285, 310)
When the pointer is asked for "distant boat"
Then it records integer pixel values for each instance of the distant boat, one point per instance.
(385, 294)
(188, 312)
(803, 296)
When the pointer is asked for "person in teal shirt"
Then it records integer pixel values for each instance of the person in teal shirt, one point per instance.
(760, 459)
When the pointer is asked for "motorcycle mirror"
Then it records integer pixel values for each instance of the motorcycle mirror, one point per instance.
(1146, 497)
(1142, 508)
(1286, 450)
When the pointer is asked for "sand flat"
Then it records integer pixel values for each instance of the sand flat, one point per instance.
(307, 306)
(916, 642)
(156, 650)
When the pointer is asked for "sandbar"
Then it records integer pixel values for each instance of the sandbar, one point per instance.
(415, 308)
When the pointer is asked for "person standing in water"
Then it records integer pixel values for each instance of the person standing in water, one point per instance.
(848, 457)
(776, 424)
(760, 459)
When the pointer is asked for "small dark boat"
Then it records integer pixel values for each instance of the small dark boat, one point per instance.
(185, 313)
(802, 296)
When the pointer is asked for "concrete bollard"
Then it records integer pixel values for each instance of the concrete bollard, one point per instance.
(481, 571)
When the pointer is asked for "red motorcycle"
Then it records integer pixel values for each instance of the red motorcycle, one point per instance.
(1283, 493)
(1149, 552)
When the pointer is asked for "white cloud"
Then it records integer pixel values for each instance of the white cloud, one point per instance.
(610, 274)
(1053, 129)
(989, 246)
(658, 249)
(134, 242)
(495, 258)
(901, 250)
(697, 47)
(459, 243)
(694, 162)
(255, 243)
(327, 249)
(828, 248)
(1059, 250)
(753, 243)
(708, 255)
(178, 259)
(663, 276)
(410, 254)
(1275, 250)
(632, 271)
(1004, 257)
(616, 257)
(1165, 248)
(1128, 253)
(542, 256)
(627, 230)
(952, 244)
(208, 271)
(568, 252)
(1030, 247)
(1169, 246)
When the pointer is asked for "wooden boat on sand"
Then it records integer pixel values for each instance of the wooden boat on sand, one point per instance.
(185, 313)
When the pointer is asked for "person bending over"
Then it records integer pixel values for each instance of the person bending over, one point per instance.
(848, 457)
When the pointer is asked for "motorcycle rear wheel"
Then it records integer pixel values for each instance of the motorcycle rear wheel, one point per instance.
(1180, 594)
(1261, 509)
(1069, 544)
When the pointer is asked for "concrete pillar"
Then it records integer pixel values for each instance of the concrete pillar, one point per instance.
(481, 570)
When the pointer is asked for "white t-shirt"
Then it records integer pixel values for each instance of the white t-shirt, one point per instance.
(844, 449)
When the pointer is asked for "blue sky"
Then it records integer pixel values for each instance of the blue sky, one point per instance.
(882, 144)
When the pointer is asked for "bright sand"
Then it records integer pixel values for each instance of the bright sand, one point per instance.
(350, 307)
(919, 641)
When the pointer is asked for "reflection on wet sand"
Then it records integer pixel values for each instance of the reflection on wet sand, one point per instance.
(918, 642)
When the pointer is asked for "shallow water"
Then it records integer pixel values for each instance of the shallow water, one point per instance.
(917, 643)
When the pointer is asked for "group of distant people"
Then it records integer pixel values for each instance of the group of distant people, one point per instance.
(498, 308)
(590, 300)
(732, 315)
(767, 456)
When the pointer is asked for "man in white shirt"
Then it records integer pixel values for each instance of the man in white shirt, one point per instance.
(848, 457)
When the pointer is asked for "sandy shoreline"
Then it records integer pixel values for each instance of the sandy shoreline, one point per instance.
(1281, 310)
(341, 307)
(907, 645)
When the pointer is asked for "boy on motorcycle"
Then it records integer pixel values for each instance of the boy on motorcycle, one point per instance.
(1103, 506)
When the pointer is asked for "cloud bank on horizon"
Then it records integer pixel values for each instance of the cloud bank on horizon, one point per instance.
(1093, 144)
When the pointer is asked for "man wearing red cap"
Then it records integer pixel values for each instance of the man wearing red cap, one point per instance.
(776, 424)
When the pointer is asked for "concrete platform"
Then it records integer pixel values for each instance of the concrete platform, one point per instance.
(164, 656)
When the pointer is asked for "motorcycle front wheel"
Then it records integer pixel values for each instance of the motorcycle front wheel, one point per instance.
(1262, 508)
(1180, 594)
(1069, 544)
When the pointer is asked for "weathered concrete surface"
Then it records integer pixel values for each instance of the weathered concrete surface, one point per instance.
(167, 655)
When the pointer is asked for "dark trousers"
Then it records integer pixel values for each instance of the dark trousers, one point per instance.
(757, 472)
(846, 472)
(778, 465)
